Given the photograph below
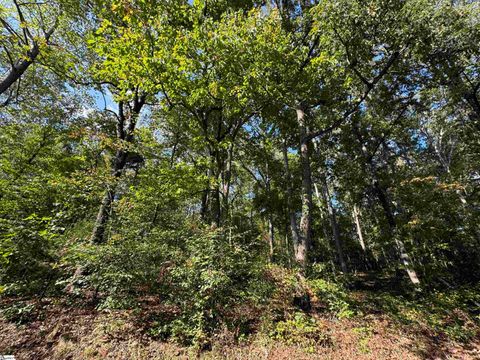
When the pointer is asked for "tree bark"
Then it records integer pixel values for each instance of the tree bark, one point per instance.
(301, 255)
(356, 218)
(227, 178)
(103, 215)
(19, 67)
(271, 228)
(322, 216)
(204, 206)
(217, 218)
(217, 172)
(271, 236)
(404, 257)
(126, 122)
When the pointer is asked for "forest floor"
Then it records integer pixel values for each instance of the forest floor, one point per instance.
(58, 331)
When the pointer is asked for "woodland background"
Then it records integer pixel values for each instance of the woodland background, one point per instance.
(221, 172)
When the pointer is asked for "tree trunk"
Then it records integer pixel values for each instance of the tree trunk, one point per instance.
(206, 211)
(304, 243)
(271, 229)
(291, 212)
(287, 247)
(404, 257)
(98, 233)
(217, 196)
(126, 122)
(334, 224)
(204, 206)
(227, 178)
(271, 237)
(385, 203)
(217, 216)
(407, 263)
(356, 218)
(103, 215)
(322, 216)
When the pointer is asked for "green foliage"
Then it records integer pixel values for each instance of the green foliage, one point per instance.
(432, 210)
(28, 256)
(185, 150)
(122, 268)
(335, 297)
(364, 333)
(451, 313)
(202, 273)
(19, 313)
(300, 329)
(216, 273)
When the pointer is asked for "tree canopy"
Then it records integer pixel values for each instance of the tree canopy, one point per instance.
(209, 140)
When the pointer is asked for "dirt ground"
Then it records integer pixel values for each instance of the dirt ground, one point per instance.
(58, 331)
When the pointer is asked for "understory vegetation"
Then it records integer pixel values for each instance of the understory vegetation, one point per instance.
(240, 179)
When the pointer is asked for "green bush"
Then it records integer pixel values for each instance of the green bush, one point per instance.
(27, 255)
(217, 273)
(334, 296)
(300, 328)
(200, 273)
(451, 312)
(120, 269)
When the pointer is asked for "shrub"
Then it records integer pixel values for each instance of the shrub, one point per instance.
(300, 328)
(334, 296)
(120, 269)
(27, 255)
(201, 273)
(217, 272)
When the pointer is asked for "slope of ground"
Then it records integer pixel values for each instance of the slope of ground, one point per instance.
(50, 329)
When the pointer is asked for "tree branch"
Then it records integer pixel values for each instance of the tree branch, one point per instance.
(357, 105)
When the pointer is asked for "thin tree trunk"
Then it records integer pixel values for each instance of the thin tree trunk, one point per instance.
(322, 216)
(217, 218)
(227, 177)
(217, 197)
(287, 247)
(271, 237)
(304, 243)
(206, 209)
(404, 257)
(103, 215)
(356, 217)
(126, 122)
(385, 203)
(271, 229)
(204, 206)
(407, 263)
(101, 221)
(291, 212)
(334, 224)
